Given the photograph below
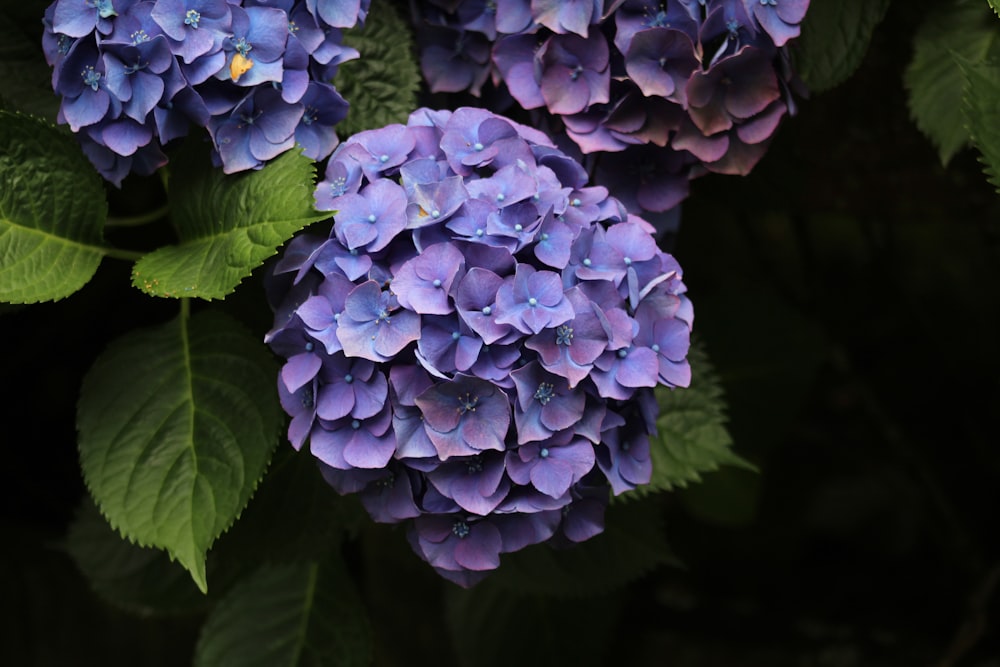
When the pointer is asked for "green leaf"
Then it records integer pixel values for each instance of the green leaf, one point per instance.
(632, 544)
(52, 212)
(381, 86)
(963, 30)
(834, 39)
(982, 111)
(691, 436)
(228, 224)
(995, 4)
(303, 613)
(176, 426)
(137, 579)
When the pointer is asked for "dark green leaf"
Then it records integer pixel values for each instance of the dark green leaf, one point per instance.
(381, 86)
(140, 580)
(691, 436)
(52, 212)
(632, 544)
(302, 613)
(995, 4)
(982, 111)
(962, 30)
(294, 515)
(834, 39)
(177, 424)
(228, 224)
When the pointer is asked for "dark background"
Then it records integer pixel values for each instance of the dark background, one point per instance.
(847, 293)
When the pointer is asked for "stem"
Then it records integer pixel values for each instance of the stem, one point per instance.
(136, 220)
(126, 255)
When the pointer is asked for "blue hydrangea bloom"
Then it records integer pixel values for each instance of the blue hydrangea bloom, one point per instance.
(472, 348)
(134, 75)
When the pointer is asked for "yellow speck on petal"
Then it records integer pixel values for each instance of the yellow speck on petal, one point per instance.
(240, 66)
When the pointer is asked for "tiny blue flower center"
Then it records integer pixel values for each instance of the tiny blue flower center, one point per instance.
(383, 315)
(479, 232)
(91, 77)
(543, 452)
(338, 186)
(242, 46)
(586, 261)
(518, 227)
(437, 282)
(575, 74)
(773, 3)
(622, 353)
(658, 21)
(383, 158)
(348, 378)
(192, 18)
(532, 301)
(292, 28)
(309, 115)
(544, 236)
(474, 466)
(371, 218)
(655, 348)
(575, 202)
(104, 8)
(460, 529)
(478, 146)
(132, 69)
(501, 196)
(455, 335)
(309, 346)
(307, 397)
(564, 335)
(626, 446)
(65, 41)
(545, 392)
(355, 424)
(487, 310)
(139, 37)
(435, 213)
(628, 261)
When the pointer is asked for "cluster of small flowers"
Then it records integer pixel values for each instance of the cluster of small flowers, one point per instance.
(475, 343)
(666, 89)
(134, 75)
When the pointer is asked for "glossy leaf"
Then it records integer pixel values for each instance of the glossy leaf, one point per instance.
(176, 426)
(52, 212)
(228, 224)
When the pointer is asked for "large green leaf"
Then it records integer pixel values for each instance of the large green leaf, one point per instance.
(228, 224)
(177, 424)
(52, 212)
(141, 580)
(995, 4)
(982, 113)
(834, 39)
(961, 30)
(302, 613)
(381, 86)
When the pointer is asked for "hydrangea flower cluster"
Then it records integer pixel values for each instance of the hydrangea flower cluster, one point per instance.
(135, 74)
(665, 89)
(473, 347)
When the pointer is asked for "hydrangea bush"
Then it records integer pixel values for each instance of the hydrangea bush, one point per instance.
(475, 344)
(459, 317)
(668, 90)
(133, 75)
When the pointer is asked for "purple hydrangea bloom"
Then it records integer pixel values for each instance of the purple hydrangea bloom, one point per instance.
(472, 348)
(616, 76)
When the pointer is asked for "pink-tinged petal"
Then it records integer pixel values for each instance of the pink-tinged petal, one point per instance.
(335, 400)
(364, 450)
(552, 478)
